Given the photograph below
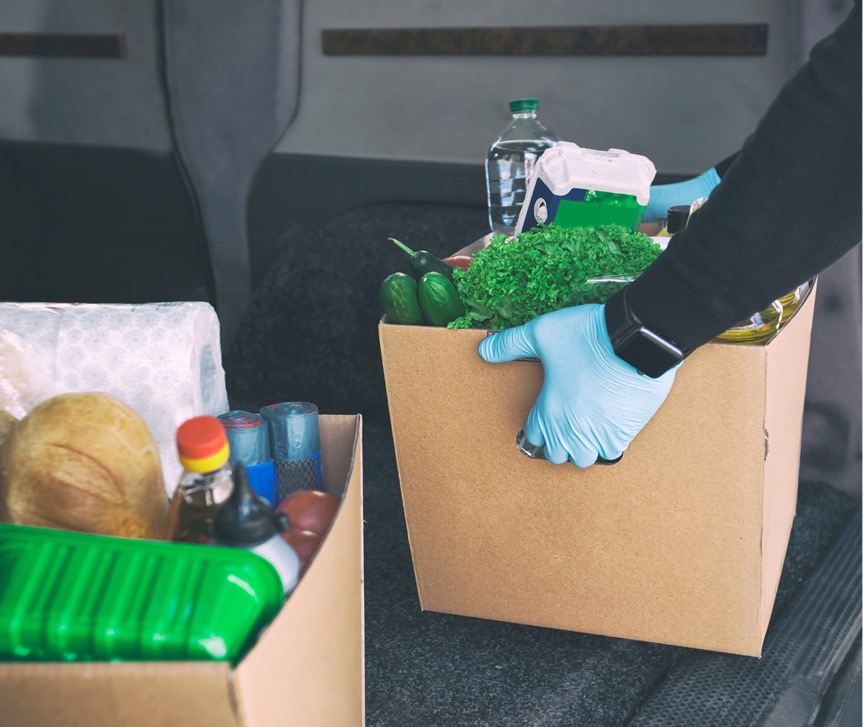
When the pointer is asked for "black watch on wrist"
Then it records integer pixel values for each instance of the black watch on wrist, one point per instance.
(645, 350)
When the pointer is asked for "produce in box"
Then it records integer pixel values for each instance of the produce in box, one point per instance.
(430, 297)
(514, 280)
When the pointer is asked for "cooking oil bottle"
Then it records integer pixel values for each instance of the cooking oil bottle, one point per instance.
(206, 481)
(760, 327)
(792, 301)
(674, 221)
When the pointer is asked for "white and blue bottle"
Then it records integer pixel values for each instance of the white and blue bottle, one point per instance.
(247, 521)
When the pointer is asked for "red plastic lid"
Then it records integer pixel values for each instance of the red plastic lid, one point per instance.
(201, 438)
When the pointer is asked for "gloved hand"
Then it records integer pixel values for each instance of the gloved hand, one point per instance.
(591, 403)
(663, 196)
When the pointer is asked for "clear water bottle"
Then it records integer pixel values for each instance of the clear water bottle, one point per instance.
(510, 162)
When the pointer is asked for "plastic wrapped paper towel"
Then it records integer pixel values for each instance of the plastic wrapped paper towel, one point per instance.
(162, 359)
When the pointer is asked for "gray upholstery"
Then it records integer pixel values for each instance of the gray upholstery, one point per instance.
(310, 333)
(232, 71)
(831, 419)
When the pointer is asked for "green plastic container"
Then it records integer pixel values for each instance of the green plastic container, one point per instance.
(600, 208)
(73, 597)
(577, 187)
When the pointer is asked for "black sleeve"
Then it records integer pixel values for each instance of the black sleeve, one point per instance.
(788, 205)
(723, 166)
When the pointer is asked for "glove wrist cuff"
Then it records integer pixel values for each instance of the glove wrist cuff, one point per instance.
(633, 342)
(710, 179)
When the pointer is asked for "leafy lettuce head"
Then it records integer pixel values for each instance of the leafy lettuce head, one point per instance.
(547, 268)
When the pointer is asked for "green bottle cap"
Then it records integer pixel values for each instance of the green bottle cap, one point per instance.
(524, 105)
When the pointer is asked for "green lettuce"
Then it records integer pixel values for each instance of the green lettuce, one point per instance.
(510, 282)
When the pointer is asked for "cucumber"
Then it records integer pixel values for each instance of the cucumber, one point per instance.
(400, 301)
(439, 299)
(422, 262)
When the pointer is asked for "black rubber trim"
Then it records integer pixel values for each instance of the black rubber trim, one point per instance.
(804, 648)
(841, 706)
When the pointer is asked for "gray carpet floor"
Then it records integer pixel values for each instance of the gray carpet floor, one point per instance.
(436, 670)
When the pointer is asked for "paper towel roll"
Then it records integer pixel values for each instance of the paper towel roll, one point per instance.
(162, 359)
(24, 378)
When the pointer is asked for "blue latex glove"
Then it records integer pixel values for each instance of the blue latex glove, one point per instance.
(663, 196)
(591, 403)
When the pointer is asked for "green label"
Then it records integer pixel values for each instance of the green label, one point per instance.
(598, 209)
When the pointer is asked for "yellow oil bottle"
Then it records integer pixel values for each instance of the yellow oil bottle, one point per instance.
(762, 326)
(758, 328)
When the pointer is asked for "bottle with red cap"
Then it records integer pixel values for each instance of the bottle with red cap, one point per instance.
(206, 481)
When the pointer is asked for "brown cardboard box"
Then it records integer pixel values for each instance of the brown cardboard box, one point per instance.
(306, 669)
(682, 542)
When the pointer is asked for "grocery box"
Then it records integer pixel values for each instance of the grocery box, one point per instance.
(681, 543)
(307, 667)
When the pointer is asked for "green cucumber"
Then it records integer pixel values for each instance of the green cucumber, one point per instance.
(400, 300)
(439, 299)
(422, 262)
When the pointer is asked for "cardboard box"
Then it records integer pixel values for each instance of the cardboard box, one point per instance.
(682, 542)
(306, 669)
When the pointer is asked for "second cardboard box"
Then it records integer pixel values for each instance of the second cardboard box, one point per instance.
(681, 543)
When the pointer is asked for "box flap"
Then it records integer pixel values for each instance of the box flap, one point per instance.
(307, 669)
(111, 694)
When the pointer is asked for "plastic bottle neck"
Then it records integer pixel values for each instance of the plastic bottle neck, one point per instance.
(525, 115)
(207, 473)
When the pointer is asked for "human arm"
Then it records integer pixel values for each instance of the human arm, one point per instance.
(685, 192)
(788, 206)
(663, 196)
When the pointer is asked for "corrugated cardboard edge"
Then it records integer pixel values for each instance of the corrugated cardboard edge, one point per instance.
(382, 332)
(786, 389)
(143, 694)
(308, 667)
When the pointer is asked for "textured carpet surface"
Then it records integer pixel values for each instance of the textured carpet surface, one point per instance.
(429, 669)
(311, 334)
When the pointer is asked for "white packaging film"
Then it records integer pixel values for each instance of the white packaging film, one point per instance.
(164, 360)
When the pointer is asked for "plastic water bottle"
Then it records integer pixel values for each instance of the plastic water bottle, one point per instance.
(510, 161)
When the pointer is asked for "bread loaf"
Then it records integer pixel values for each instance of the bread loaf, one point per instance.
(84, 462)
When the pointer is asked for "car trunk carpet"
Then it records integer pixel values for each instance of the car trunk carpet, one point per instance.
(429, 669)
(804, 648)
